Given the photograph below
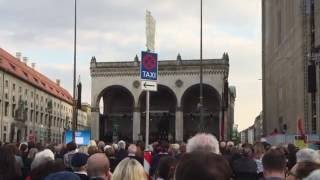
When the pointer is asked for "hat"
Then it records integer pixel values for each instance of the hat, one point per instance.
(79, 159)
(62, 175)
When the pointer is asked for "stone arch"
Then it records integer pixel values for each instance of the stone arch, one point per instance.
(115, 120)
(191, 112)
(163, 104)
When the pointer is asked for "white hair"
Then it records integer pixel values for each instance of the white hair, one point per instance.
(106, 148)
(122, 144)
(115, 146)
(92, 143)
(42, 157)
(203, 142)
(307, 155)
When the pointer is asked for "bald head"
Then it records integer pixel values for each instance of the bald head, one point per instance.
(98, 165)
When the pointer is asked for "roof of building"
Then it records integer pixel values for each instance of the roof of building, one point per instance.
(15, 67)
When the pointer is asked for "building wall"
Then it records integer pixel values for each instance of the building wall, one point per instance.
(39, 116)
(103, 77)
(283, 64)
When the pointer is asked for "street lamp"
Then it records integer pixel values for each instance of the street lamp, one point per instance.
(201, 73)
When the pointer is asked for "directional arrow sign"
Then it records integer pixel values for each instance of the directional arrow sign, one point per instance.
(149, 85)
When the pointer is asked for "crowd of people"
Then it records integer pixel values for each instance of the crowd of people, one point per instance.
(201, 158)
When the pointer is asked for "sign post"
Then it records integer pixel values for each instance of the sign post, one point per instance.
(149, 77)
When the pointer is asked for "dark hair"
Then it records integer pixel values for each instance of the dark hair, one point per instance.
(166, 167)
(274, 159)
(71, 146)
(305, 168)
(47, 168)
(204, 166)
(9, 169)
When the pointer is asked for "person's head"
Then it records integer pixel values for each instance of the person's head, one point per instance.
(203, 142)
(98, 166)
(314, 175)
(292, 149)
(115, 147)
(183, 148)
(132, 149)
(122, 144)
(42, 157)
(130, 169)
(92, 143)
(109, 151)
(258, 149)
(79, 162)
(274, 163)
(83, 149)
(46, 168)
(71, 146)
(166, 167)
(202, 165)
(9, 169)
(32, 153)
(247, 152)
(101, 145)
(23, 147)
(93, 150)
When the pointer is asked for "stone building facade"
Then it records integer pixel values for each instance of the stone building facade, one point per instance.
(290, 73)
(174, 108)
(32, 107)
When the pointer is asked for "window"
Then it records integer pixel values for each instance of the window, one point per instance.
(4, 137)
(6, 95)
(13, 99)
(4, 128)
(13, 87)
(6, 108)
(41, 118)
(25, 74)
(31, 115)
(7, 83)
(31, 94)
(37, 117)
(26, 92)
(20, 89)
(13, 110)
(279, 27)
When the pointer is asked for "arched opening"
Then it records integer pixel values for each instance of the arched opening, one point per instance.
(163, 105)
(191, 112)
(116, 116)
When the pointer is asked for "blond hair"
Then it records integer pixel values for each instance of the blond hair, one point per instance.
(129, 169)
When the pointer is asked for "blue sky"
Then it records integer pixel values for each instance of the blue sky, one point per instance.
(114, 30)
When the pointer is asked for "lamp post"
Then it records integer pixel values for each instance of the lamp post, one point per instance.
(201, 73)
(74, 117)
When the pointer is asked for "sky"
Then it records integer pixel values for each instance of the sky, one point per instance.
(114, 30)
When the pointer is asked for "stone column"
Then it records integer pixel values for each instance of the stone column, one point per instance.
(179, 124)
(136, 123)
(95, 123)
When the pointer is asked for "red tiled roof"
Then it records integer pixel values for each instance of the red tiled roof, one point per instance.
(19, 69)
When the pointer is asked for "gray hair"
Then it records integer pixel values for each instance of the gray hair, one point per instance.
(122, 144)
(203, 142)
(42, 157)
